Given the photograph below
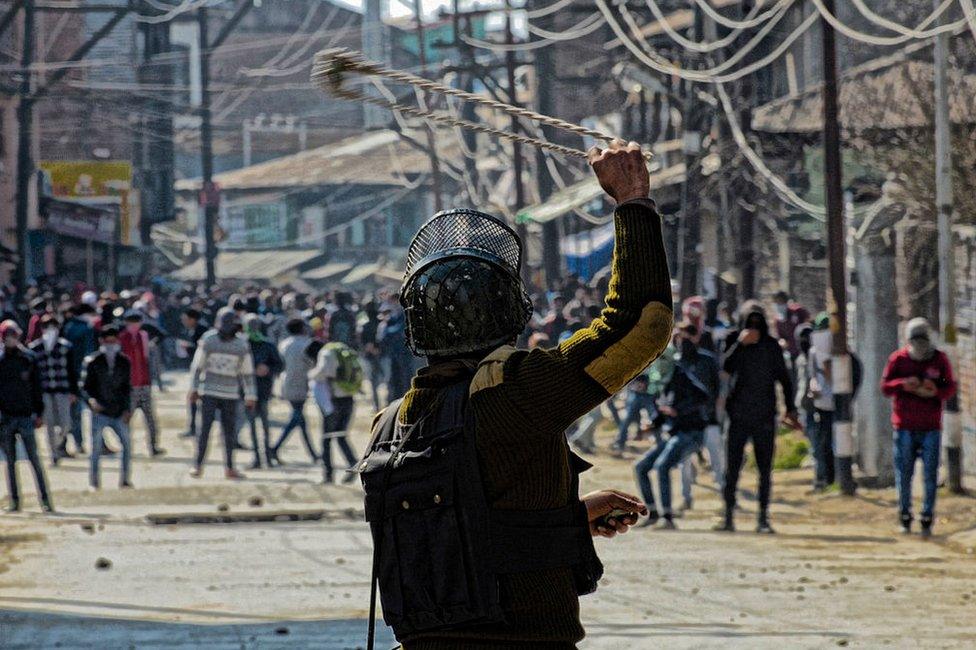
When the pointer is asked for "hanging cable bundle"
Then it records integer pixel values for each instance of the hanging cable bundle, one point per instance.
(332, 67)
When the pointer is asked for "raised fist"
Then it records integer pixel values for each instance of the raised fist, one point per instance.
(621, 170)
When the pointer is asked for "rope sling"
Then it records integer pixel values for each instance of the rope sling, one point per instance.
(331, 67)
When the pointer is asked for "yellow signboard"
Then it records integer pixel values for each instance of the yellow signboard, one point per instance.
(89, 181)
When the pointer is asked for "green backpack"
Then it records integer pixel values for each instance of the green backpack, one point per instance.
(349, 374)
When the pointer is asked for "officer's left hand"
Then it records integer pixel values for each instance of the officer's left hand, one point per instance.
(601, 503)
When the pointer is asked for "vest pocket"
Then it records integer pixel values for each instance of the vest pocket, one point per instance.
(423, 557)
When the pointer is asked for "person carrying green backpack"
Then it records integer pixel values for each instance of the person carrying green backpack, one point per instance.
(335, 380)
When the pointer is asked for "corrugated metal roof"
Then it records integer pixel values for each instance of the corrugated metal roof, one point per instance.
(374, 158)
(267, 265)
(896, 94)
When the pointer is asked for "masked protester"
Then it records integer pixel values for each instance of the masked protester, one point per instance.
(919, 380)
(106, 386)
(78, 331)
(480, 536)
(222, 369)
(21, 406)
(822, 395)
(59, 383)
(267, 365)
(755, 365)
(134, 340)
(294, 386)
(691, 391)
(191, 331)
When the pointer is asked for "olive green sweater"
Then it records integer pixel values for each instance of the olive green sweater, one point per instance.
(524, 401)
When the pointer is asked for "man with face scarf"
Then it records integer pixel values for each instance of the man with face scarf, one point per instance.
(691, 391)
(222, 368)
(59, 382)
(919, 379)
(755, 364)
(267, 365)
(21, 406)
(107, 389)
(135, 343)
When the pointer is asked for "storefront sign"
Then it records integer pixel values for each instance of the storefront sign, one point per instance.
(81, 221)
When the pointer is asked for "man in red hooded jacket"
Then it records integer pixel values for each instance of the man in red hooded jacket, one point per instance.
(919, 380)
(135, 345)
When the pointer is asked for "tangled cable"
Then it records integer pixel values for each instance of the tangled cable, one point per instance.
(331, 67)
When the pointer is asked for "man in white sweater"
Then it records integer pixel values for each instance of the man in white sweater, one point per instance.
(222, 370)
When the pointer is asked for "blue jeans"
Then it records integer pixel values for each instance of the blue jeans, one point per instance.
(77, 408)
(636, 402)
(297, 420)
(662, 459)
(99, 423)
(910, 446)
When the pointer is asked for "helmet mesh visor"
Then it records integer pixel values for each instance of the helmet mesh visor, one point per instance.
(464, 231)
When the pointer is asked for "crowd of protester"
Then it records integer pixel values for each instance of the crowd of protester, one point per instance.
(712, 392)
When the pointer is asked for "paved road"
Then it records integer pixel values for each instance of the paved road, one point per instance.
(835, 575)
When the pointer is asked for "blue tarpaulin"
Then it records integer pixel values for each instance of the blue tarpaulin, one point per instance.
(589, 251)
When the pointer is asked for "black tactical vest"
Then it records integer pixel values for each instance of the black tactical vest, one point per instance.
(438, 547)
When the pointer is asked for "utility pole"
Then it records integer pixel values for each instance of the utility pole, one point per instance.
(840, 363)
(516, 147)
(689, 234)
(947, 288)
(25, 163)
(466, 81)
(545, 71)
(435, 167)
(28, 97)
(208, 195)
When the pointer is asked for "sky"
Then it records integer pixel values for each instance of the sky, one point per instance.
(403, 7)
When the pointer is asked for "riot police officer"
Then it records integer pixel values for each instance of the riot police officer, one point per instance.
(480, 535)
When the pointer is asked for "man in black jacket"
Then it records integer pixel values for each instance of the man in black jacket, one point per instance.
(106, 388)
(192, 330)
(755, 364)
(692, 389)
(21, 406)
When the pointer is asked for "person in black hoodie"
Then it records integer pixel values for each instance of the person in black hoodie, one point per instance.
(107, 389)
(21, 406)
(755, 363)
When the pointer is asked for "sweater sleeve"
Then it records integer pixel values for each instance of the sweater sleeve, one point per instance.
(553, 387)
(196, 367)
(246, 375)
(891, 379)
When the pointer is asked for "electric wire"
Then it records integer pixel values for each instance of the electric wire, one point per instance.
(701, 46)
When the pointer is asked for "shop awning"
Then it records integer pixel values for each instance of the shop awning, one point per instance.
(326, 271)
(581, 193)
(264, 265)
(378, 272)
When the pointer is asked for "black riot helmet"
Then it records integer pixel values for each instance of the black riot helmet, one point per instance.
(462, 292)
